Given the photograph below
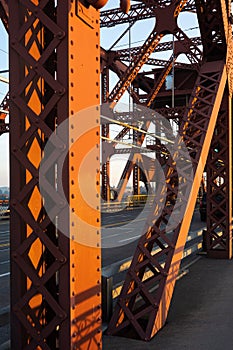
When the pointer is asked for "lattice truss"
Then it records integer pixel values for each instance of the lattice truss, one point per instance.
(37, 99)
(4, 105)
(200, 67)
(201, 108)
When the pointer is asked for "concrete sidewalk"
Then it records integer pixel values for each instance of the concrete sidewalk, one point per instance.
(201, 313)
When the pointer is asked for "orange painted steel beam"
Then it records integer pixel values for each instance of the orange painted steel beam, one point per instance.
(197, 131)
(84, 179)
(165, 300)
(55, 247)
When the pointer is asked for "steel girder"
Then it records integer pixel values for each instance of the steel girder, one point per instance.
(111, 60)
(38, 304)
(144, 301)
(162, 47)
(170, 13)
(140, 11)
(143, 320)
(4, 13)
(4, 106)
(219, 164)
(219, 185)
(55, 294)
(36, 321)
(105, 134)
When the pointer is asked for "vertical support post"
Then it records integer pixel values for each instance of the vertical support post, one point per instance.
(219, 185)
(107, 302)
(55, 273)
(136, 169)
(84, 179)
(105, 133)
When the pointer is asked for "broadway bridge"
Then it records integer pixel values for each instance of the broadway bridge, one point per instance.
(120, 124)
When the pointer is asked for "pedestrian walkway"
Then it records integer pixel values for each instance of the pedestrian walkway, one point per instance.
(201, 313)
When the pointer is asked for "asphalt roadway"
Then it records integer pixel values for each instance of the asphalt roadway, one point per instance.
(200, 317)
(201, 313)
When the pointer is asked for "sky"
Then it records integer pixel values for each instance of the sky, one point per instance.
(138, 34)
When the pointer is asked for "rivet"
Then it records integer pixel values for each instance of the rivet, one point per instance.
(61, 204)
(61, 91)
(63, 259)
(62, 147)
(60, 35)
(62, 315)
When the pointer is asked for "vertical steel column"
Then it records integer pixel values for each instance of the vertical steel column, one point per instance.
(85, 251)
(219, 164)
(136, 169)
(55, 294)
(219, 185)
(39, 296)
(105, 133)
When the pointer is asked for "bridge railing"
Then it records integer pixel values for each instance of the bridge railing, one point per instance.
(114, 274)
(4, 213)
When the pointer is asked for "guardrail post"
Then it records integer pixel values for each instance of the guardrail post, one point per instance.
(204, 240)
(107, 303)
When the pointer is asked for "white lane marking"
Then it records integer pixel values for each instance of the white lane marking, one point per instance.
(128, 239)
(115, 234)
(4, 232)
(5, 250)
(5, 274)
(4, 262)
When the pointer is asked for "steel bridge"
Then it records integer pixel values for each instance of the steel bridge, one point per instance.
(59, 75)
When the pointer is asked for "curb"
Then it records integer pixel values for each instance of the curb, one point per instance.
(6, 345)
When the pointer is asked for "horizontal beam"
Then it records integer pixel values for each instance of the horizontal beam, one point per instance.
(137, 12)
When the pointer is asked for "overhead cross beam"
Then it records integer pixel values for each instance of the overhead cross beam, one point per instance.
(143, 10)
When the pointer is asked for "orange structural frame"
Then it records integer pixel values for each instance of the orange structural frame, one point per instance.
(84, 121)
